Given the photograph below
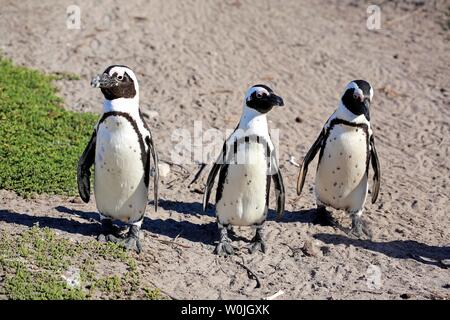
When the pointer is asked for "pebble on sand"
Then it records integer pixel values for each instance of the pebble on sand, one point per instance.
(164, 169)
(310, 249)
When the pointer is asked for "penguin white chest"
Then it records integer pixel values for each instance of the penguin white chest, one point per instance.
(119, 186)
(341, 179)
(243, 200)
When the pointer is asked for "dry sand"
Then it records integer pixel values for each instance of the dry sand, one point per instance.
(194, 60)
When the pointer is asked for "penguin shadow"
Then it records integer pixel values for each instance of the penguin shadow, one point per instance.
(196, 232)
(89, 216)
(196, 209)
(57, 223)
(399, 249)
(193, 208)
(205, 233)
(302, 216)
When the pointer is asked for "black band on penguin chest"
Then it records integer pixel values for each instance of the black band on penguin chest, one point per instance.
(135, 127)
(232, 160)
(338, 121)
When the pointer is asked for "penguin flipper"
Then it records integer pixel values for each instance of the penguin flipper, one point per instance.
(221, 160)
(87, 159)
(308, 158)
(376, 170)
(278, 183)
(279, 192)
(154, 155)
(197, 175)
(210, 183)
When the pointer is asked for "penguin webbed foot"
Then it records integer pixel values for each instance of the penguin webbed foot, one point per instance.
(257, 243)
(107, 228)
(224, 247)
(359, 229)
(130, 242)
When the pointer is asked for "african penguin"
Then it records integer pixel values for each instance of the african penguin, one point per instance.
(346, 145)
(245, 167)
(120, 149)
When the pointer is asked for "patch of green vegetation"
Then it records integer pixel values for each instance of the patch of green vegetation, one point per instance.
(152, 294)
(38, 264)
(110, 284)
(28, 285)
(40, 142)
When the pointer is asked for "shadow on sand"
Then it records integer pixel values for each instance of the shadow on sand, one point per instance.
(196, 232)
(399, 249)
(63, 224)
(207, 232)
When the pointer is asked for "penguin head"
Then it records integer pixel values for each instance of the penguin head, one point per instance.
(117, 81)
(262, 99)
(357, 97)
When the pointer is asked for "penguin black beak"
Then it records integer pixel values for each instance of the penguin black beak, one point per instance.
(366, 109)
(276, 100)
(366, 103)
(104, 81)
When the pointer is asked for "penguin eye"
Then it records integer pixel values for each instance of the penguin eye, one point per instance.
(259, 95)
(120, 78)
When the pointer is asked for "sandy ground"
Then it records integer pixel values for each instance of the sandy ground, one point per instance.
(195, 60)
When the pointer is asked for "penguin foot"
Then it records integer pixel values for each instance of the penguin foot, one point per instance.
(359, 229)
(224, 248)
(130, 242)
(107, 228)
(258, 244)
(323, 217)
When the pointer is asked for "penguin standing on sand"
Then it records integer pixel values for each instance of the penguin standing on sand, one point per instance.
(121, 147)
(346, 145)
(246, 166)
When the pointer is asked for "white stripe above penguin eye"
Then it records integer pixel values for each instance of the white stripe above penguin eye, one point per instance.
(353, 85)
(259, 91)
(120, 73)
